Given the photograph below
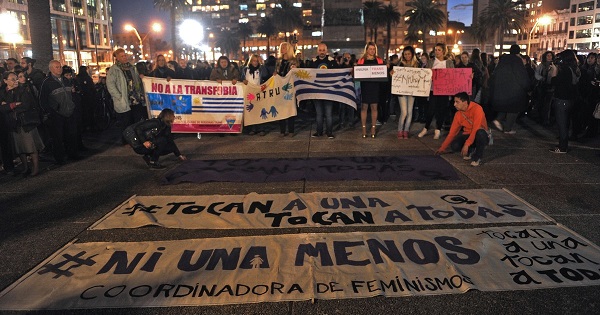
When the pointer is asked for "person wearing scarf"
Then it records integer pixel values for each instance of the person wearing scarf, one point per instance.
(125, 87)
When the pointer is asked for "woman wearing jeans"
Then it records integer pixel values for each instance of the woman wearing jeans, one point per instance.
(409, 60)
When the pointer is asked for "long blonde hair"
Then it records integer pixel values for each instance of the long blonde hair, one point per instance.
(364, 56)
(258, 58)
(289, 53)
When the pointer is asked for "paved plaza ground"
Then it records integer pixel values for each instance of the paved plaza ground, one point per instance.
(40, 215)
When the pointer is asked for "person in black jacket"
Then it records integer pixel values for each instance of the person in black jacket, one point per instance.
(155, 139)
(161, 70)
(323, 61)
(564, 76)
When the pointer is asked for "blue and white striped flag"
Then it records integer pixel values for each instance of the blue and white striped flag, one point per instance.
(325, 84)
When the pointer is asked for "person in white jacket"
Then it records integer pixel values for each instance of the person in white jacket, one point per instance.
(125, 87)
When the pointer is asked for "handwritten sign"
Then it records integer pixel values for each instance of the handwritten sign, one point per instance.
(452, 81)
(370, 73)
(320, 209)
(411, 81)
(293, 267)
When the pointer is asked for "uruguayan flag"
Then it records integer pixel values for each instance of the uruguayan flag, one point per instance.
(325, 84)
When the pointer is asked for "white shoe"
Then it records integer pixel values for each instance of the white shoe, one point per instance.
(498, 125)
(476, 163)
(422, 133)
(436, 134)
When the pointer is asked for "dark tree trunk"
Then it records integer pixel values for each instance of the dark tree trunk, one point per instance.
(174, 35)
(41, 33)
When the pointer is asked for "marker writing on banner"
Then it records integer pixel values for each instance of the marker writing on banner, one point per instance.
(421, 252)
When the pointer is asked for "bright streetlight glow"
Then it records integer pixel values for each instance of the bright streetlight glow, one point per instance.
(191, 32)
(156, 27)
(9, 24)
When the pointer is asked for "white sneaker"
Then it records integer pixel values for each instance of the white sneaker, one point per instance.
(476, 163)
(436, 134)
(422, 133)
(498, 125)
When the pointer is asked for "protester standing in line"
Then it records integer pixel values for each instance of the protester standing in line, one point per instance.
(225, 71)
(564, 76)
(34, 76)
(88, 97)
(544, 89)
(438, 104)
(369, 90)
(286, 62)
(16, 102)
(161, 70)
(323, 61)
(346, 112)
(126, 89)
(509, 85)
(408, 60)
(56, 100)
(254, 72)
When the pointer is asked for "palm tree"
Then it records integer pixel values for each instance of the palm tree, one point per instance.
(502, 16)
(228, 42)
(267, 27)
(173, 6)
(412, 38)
(286, 16)
(423, 16)
(391, 16)
(372, 17)
(244, 31)
(480, 33)
(41, 32)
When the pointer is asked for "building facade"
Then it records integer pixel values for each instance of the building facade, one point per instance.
(81, 31)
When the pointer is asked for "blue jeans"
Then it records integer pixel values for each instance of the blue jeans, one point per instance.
(321, 105)
(562, 110)
(481, 140)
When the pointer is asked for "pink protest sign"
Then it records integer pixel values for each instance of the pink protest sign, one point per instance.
(453, 80)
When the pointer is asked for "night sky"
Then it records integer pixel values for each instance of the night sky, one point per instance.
(141, 14)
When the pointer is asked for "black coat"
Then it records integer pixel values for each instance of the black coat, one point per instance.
(509, 85)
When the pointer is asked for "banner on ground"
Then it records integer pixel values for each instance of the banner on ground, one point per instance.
(325, 84)
(270, 101)
(306, 266)
(199, 106)
(452, 80)
(322, 209)
(411, 81)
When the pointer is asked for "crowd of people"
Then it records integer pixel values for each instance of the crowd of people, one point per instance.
(49, 112)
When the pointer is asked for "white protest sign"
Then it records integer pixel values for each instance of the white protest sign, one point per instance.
(296, 267)
(370, 73)
(411, 81)
(322, 209)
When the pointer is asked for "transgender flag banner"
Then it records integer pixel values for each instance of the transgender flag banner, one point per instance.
(199, 106)
(325, 84)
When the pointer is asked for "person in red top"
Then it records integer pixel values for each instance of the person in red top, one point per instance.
(474, 137)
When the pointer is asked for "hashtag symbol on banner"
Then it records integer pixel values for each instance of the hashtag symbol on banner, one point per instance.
(141, 207)
(77, 260)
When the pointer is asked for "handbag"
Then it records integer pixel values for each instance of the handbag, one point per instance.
(29, 118)
(597, 111)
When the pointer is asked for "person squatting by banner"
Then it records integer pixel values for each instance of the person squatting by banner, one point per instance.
(306, 266)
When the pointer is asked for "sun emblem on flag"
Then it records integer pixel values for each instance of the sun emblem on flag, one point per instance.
(302, 74)
(196, 100)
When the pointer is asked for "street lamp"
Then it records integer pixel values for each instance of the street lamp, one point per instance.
(9, 29)
(156, 27)
(191, 32)
(543, 20)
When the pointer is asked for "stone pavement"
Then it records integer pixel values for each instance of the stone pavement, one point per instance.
(40, 215)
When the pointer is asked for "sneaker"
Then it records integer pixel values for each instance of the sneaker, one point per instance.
(146, 159)
(316, 135)
(467, 157)
(498, 125)
(510, 132)
(476, 163)
(557, 150)
(436, 134)
(422, 133)
(156, 165)
(406, 135)
(330, 136)
(400, 135)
